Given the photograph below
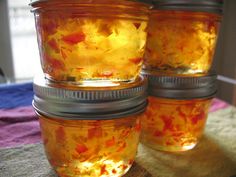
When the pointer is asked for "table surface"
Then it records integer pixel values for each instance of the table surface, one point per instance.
(22, 154)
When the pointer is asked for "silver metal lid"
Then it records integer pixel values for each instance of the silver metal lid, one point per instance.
(211, 6)
(185, 87)
(57, 101)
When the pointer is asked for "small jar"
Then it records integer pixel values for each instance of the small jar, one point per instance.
(182, 36)
(90, 131)
(177, 112)
(91, 40)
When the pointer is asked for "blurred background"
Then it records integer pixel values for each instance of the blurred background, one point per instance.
(19, 57)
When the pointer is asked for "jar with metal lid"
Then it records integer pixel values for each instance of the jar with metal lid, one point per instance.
(90, 131)
(182, 36)
(177, 112)
(91, 40)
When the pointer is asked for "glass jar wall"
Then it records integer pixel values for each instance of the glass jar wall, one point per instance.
(91, 40)
(174, 125)
(181, 42)
(90, 147)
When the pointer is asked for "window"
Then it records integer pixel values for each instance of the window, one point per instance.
(23, 38)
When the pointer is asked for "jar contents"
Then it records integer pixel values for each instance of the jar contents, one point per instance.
(79, 48)
(174, 125)
(85, 148)
(181, 42)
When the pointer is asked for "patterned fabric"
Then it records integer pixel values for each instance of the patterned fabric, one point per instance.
(214, 156)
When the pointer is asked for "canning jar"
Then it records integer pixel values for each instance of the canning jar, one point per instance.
(91, 40)
(90, 132)
(177, 112)
(182, 36)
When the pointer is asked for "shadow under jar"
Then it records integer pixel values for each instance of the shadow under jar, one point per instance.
(182, 36)
(91, 40)
(177, 112)
(90, 132)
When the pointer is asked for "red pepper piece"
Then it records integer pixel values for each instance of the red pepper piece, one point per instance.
(110, 142)
(114, 171)
(149, 34)
(131, 161)
(53, 44)
(63, 54)
(56, 64)
(60, 135)
(103, 170)
(177, 134)
(106, 74)
(94, 132)
(75, 38)
(122, 147)
(168, 143)
(81, 148)
(210, 26)
(79, 69)
(124, 167)
(137, 25)
(136, 60)
(158, 133)
(125, 133)
(148, 50)
(198, 117)
(50, 27)
(53, 162)
(138, 127)
(180, 112)
(168, 122)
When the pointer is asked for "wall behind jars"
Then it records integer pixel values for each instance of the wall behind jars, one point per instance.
(225, 56)
(6, 63)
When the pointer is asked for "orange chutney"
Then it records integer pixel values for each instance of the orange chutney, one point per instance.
(174, 125)
(181, 42)
(91, 40)
(90, 147)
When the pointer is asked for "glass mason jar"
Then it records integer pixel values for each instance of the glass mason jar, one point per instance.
(90, 132)
(182, 36)
(91, 40)
(177, 112)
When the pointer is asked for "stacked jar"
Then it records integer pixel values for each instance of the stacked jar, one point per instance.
(181, 42)
(91, 99)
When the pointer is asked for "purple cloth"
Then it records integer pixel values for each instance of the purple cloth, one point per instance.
(18, 126)
(18, 122)
(218, 104)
